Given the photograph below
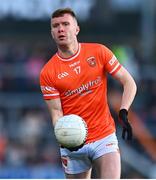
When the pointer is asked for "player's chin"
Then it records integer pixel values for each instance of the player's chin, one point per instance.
(62, 43)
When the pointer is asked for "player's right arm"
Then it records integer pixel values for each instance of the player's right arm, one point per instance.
(50, 93)
(55, 109)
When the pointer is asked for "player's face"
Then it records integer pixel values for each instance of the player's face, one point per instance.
(64, 29)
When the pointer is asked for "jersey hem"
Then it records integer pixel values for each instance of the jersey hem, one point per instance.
(101, 137)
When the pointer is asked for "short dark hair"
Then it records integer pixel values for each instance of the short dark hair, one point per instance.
(62, 11)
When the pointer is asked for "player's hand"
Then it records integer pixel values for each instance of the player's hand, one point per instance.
(127, 129)
(74, 148)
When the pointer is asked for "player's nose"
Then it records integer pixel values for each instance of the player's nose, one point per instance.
(60, 28)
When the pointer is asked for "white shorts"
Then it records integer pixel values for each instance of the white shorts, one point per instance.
(80, 161)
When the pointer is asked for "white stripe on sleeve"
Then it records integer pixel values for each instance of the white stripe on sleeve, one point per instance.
(118, 64)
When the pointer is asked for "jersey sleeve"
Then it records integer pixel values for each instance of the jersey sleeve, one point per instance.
(47, 86)
(111, 64)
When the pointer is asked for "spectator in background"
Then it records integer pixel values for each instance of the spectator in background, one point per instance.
(3, 139)
(127, 57)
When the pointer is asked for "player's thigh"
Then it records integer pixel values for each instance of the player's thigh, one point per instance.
(108, 166)
(83, 175)
(76, 164)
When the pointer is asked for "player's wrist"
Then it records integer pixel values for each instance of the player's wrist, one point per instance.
(123, 112)
(123, 117)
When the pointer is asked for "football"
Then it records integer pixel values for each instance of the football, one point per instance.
(70, 131)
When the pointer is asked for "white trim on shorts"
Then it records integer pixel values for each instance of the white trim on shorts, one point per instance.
(81, 161)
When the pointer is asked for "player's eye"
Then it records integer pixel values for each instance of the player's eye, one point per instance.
(66, 23)
(55, 25)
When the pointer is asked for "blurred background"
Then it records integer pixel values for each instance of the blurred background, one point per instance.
(128, 27)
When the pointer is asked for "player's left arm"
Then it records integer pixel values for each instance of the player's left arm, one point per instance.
(112, 66)
(129, 87)
(129, 91)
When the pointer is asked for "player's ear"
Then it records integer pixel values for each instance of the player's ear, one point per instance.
(52, 34)
(77, 30)
(51, 29)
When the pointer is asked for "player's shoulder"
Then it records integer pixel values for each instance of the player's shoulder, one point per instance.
(94, 46)
(48, 65)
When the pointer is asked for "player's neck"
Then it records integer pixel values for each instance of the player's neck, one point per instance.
(67, 51)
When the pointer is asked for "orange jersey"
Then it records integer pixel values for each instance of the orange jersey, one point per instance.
(81, 83)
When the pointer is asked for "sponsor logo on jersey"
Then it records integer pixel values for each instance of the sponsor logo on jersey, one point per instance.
(62, 75)
(74, 64)
(84, 87)
(91, 61)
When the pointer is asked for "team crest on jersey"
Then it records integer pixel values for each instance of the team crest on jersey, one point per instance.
(91, 61)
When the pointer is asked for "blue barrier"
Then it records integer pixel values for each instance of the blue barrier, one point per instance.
(34, 172)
